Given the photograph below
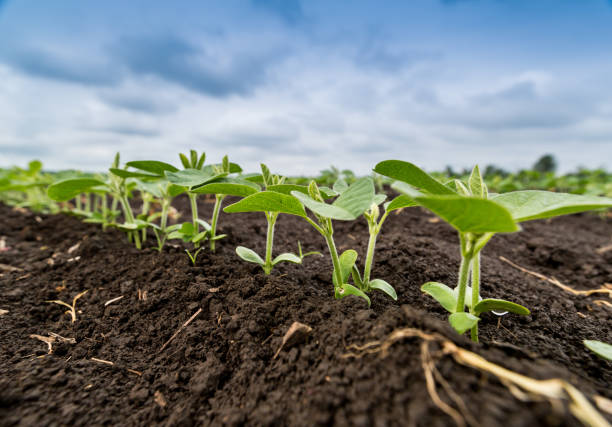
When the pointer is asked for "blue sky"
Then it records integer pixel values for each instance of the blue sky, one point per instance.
(302, 84)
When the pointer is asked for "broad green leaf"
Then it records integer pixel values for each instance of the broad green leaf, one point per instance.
(443, 294)
(249, 255)
(491, 304)
(411, 174)
(152, 166)
(288, 188)
(601, 349)
(229, 186)
(406, 189)
(463, 321)
(379, 198)
(233, 168)
(323, 209)
(381, 285)
(69, 188)
(347, 261)
(477, 185)
(469, 214)
(184, 161)
(191, 177)
(288, 257)
(348, 289)
(253, 177)
(187, 228)
(122, 173)
(174, 190)
(357, 198)
(340, 186)
(534, 204)
(401, 201)
(34, 166)
(268, 201)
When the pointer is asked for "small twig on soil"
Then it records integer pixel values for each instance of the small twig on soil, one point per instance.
(9, 268)
(110, 301)
(109, 363)
(3, 312)
(296, 333)
(53, 337)
(604, 249)
(602, 302)
(183, 326)
(603, 290)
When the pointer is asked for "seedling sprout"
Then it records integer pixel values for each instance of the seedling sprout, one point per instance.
(71, 308)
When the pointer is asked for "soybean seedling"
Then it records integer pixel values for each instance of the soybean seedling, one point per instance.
(116, 185)
(71, 308)
(195, 176)
(269, 181)
(354, 201)
(477, 216)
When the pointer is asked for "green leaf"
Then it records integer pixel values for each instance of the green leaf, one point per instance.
(357, 198)
(340, 186)
(534, 204)
(204, 224)
(347, 261)
(441, 293)
(122, 173)
(461, 188)
(288, 257)
(199, 237)
(413, 175)
(187, 228)
(601, 349)
(401, 201)
(490, 304)
(152, 166)
(268, 201)
(288, 188)
(348, 289)
(469, 214)
(463, 321)
(323, 209)
(219, 237)
(379, 198)
(191, 177)
(249, 255)
(69, 188)
(229, 186)
(174, 190)
(381, 285)
(233, 168)
(184, 161)
(477, 185)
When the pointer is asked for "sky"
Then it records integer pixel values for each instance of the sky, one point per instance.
(304, 84)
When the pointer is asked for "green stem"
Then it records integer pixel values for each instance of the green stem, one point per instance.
(129, 218)
(164, 215)
(271, 217)
(78, 202)
(464, 271)
(194, 216)
(213, 223)
(331, 245)
(475, 291)
(87, 203)
(369, 258)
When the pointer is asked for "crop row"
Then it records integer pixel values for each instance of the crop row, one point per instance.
(466, 205)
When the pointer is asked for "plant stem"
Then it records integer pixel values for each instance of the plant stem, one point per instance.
(464, 271)
(271, 217)
(129, 218)
(164, 214)
(329, 239)
(369, 258)
(475, 291)
(213, 223)
(194, 216)
(87, 203)
(78, 202)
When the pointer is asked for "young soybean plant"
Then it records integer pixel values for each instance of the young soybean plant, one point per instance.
(253, 203)
(353, 201)
(116, 185)
(477, 216)
(194, 177)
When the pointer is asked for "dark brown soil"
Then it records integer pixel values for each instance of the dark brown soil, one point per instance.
(220, 369)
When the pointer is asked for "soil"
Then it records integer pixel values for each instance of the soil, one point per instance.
(220, 369)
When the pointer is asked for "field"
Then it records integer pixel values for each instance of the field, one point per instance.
(160, 338)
